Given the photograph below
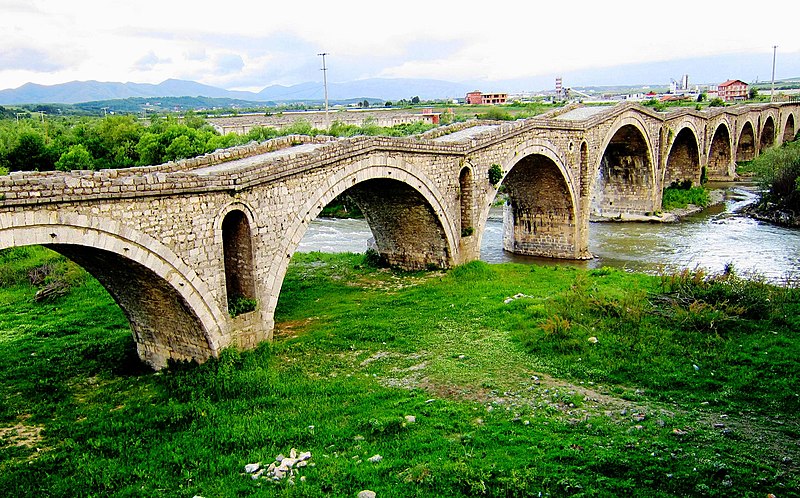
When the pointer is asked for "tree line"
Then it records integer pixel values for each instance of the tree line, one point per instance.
(121, 141)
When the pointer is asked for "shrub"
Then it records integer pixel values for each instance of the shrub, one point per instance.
(76, 158)
(778, 171)
(495, 174)
(238, 305)
(496, 114)
(680, 195)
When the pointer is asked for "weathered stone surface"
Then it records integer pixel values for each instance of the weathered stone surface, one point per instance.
(176, 243)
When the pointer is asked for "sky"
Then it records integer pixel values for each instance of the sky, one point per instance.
(241, 45)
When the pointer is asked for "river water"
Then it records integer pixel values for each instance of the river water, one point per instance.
(709, 240)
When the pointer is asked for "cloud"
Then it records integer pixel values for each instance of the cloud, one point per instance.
(228, 63)
(149, 62)
(29, 59)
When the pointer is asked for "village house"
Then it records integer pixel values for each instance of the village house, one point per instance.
(732, 90)
(477, 97)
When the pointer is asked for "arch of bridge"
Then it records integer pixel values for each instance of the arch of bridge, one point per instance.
(785, 127)
(768, 125)
(162, 264)
(529, 148)
(740, 130)
(373, 168)
(633, 119)
(685, 124)
(713, 141)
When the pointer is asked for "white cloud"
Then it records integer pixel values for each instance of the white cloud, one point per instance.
(244, 44)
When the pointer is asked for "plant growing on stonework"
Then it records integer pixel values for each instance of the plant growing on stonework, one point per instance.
(238, 305)
(495, 174)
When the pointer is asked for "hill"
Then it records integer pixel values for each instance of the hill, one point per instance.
(76, 92)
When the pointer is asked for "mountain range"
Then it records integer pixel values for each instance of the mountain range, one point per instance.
(749, 67)
(76, 92)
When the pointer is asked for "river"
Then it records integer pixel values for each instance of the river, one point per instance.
(709, 240)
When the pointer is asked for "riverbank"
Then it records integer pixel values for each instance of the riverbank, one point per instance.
(716, 197)
(495, 380)
(772, 213)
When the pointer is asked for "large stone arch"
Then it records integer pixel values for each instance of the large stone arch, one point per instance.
(384, 172)
(542, 216)
(789, 129)
(746, 144)
(170, 310)
(683, 159)
(767, 135)
(720, 156)
(625, 180)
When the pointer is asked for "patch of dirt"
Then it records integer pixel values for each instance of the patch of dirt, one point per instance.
(773, 437)
(532, 392)
(21, 434)
(291, 329)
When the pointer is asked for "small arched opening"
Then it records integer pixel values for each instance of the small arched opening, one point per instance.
(584, 165)
(466, 196)
(237, 249)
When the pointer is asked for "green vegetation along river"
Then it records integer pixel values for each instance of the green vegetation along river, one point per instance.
(710, 240)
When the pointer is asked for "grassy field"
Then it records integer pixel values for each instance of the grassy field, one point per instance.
(487, 380)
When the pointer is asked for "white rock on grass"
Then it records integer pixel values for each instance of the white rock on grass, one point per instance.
(375, 458)
(366, 494)
(282, 468)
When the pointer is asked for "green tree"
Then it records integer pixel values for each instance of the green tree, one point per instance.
(29, 153)
(118, 137)
(180, 148)
(415, 100)
(75, 158)
(752, 93)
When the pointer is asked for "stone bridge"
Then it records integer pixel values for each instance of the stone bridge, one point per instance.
(175, 243)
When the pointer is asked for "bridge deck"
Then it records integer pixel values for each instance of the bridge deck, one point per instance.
(246, 162)
(583, 113)
(466, 133)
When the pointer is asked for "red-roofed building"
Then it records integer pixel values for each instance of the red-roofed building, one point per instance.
(732, 90)
(477, 97)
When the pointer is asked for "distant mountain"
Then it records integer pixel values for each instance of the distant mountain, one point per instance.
(76, 92)
(377, 88)
(749, 67)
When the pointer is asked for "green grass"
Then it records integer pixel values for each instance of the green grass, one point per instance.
(677, 197)
(510, 396)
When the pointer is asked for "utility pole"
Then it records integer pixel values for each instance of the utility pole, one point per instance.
(325, 84)
(772, 92)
